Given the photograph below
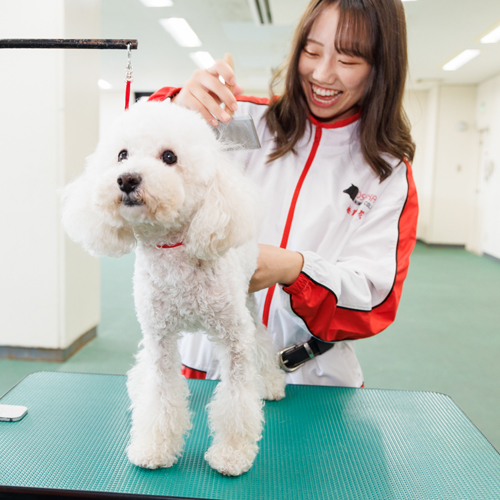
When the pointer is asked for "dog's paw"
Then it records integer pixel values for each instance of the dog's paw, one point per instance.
(150, 459)
(231, 461)
(274, 386)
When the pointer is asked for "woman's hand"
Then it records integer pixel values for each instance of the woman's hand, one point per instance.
(204, 92)
(275, 265)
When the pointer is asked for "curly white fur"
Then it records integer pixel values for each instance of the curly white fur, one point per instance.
(204, 201)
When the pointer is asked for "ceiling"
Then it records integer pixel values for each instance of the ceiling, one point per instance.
(437, 31)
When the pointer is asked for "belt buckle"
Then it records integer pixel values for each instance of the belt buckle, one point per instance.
(282, 363)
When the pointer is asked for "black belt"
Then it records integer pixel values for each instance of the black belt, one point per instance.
(295, 356)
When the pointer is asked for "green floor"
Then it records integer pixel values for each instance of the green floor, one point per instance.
(446, 337)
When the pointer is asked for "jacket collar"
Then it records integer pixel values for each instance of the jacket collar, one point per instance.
(339, 124)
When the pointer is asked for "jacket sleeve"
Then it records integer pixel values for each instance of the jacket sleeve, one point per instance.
(358, 295)
(164, 93)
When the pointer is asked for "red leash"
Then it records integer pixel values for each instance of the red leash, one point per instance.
(127, 94)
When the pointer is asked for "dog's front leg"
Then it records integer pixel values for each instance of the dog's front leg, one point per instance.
(266, 357)
(160, 415)
(235, 413)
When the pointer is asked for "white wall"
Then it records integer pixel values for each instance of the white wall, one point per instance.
(416, 106)
(81, 272)
(457, 164)
(446, 162)
(48, 125)
(111, 105)
(488, 178)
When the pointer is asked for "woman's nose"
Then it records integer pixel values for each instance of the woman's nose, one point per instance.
(325, 72)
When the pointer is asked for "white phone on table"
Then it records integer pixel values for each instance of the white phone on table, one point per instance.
(12, 413)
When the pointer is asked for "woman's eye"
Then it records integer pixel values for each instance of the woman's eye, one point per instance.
(310, 53)
(169, 157)
(122, 155)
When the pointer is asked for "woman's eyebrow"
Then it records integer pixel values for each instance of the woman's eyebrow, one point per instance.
(311, 40)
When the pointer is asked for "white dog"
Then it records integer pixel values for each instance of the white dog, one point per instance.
(161, 184)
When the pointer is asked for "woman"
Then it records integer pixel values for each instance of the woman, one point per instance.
(341, 205)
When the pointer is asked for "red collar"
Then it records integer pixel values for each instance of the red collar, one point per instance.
(170, 246)
(341, 123)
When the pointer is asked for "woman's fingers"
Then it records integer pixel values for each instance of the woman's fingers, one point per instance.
(186, 99)
(227, 90)
(212, 83)
(204, 92)
(215, 98)
(222, 68)
(237, 90)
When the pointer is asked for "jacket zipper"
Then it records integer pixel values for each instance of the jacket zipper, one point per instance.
(289, 219)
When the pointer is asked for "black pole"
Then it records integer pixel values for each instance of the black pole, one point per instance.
(46, 43)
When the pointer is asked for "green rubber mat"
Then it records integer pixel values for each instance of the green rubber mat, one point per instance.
(318, 443)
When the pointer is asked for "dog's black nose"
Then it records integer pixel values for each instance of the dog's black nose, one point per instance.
(128, 182)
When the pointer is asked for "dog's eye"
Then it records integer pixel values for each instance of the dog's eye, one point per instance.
(122, 155)
(169, 157)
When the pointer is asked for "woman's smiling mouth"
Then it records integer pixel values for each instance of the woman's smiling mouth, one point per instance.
(324, 97)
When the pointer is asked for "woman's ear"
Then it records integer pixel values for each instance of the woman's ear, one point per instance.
(229, 214)
(97, 232)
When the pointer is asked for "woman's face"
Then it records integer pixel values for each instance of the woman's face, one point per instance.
(333, 83)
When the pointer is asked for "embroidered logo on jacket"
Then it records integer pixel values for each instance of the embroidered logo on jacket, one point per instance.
(352, 192)
(359, 199)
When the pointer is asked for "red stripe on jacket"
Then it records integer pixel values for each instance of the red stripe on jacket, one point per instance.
(254, 100)
(289, 219)
(164, 93)
(317, 305)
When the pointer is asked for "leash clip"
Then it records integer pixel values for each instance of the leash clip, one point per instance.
(129, 70)
(128, 76)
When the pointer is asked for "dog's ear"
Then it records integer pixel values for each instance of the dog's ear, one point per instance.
(229, 214)
(99, 233)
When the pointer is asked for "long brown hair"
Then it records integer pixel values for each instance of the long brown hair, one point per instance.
(376, 31)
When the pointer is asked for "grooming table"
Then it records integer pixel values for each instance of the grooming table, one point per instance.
(318, 443)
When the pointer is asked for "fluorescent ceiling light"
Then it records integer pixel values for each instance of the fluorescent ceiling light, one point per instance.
(202, 59)
(157, 3)
(461, 59)
(181, 31)
(492, 37)
(103, 84)
(409, 0)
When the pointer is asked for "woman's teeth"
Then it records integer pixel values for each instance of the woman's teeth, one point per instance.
(318, 91)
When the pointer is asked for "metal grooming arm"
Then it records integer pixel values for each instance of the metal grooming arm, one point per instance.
(57, 43)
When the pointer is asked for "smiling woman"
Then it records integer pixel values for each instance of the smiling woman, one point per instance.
(333, 82)
(364, 64)
(334, 171)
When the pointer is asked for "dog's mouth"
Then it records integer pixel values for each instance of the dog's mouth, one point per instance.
(131, 202)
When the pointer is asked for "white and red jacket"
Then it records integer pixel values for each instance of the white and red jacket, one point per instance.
(356, 235)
